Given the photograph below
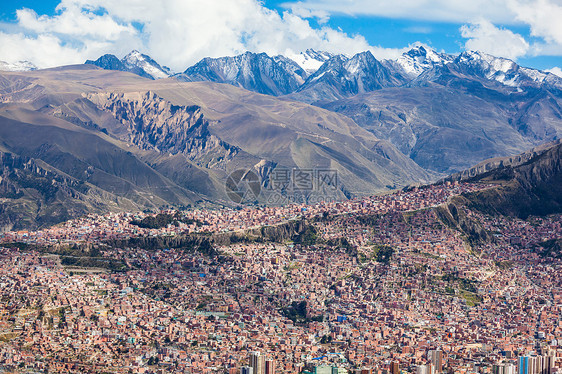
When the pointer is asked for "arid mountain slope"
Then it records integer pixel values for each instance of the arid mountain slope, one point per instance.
(163, 142)
(530, 188)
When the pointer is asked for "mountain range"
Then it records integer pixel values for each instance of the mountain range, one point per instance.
(134, 62)
(107, 140)
(129, 134)
(446, 112)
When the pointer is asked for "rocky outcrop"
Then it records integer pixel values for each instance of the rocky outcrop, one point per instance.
(455, 216)
(532, 188)
(154, 123)
(495, 164)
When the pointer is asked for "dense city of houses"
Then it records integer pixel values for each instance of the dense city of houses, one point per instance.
(377, 285)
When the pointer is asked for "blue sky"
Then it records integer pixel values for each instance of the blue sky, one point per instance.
(177, 33)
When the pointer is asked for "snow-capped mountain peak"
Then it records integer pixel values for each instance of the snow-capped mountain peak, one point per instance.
(488, 62)
(360, 62)
(421, 58)
(311, 60)
(504, 70)
(499, 69)
(145, 63)
(134, 62)
(257, 72)
(17, 66)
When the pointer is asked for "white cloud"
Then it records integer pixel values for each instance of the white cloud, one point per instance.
(74, 21)
(177, 33)
(485, 37)
(43, 50)
(556, 71)
(321, 15)
(418, 30)
(460, 11)
(543, 16)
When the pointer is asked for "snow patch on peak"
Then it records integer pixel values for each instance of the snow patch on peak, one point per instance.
(489, 62)
(505, 71)
(536, 75)
(353, 66)
(360, 61)
(310, 60)
(420, 59)
(144, 62)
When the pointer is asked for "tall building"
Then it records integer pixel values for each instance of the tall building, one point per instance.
(394, 367)
(257, 362)
(436, 358)
(337, 370)
(504, 369)
(535, 364)
(322, 369)
(425, 369)
(269, 366)
(246, 370)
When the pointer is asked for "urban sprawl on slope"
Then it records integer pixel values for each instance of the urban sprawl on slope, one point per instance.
(370, 285)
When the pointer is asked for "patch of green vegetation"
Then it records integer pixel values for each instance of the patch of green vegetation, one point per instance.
(95, 262)
(362, 258)
(201, 306)
(326, 339)
(296, 312)
(471, 299)
(430, 255)
(382, 253)
(463, 283)
(340, 242)
(20, 246)
(292, 266)
(550, 248)
(504, 265)
(163, 220)
(309, 236)
(7, 337)
(412, 213)
(417, 269)
(199, 243)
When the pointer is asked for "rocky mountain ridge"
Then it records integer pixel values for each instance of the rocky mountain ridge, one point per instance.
(134, 62)
(533, 187)
(282, 75)
(255, 72)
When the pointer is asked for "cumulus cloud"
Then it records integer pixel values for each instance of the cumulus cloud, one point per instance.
(484, 36)
(543, 16)
(46, 49)
(74, 21)
(556, 71)
(176, 33)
